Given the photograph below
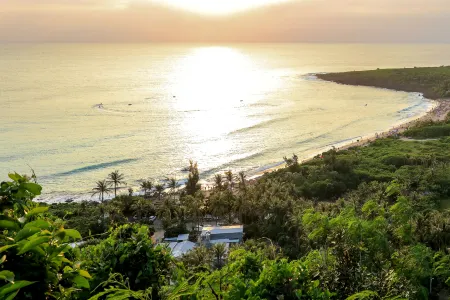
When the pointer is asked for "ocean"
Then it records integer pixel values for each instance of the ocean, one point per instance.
(75, 112)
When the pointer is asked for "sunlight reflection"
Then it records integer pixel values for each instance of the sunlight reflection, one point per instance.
(211, 88)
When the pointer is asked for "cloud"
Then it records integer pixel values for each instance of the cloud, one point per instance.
(304, 21)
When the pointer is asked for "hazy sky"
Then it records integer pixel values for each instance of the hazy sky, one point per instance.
(225, 20)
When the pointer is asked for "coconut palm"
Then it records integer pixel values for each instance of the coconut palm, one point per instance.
(101, 189)
(229, 176)
(242, 181)
(173, 185)
(198, 258)
(143, 187)
(192, 185)
(117, 179)
(219, 250)
(218, 181)
(159, 190)
(194, 206)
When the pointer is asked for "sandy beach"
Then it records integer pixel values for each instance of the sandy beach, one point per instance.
(437, 113)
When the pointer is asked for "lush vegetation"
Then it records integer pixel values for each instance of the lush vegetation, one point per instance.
(365, 223)
(433, 82)
(427, 130)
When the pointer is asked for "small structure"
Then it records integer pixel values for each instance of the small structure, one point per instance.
(222, 234)
(210, 235)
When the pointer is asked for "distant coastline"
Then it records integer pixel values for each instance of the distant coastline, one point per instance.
(432, 82)
(408, 80)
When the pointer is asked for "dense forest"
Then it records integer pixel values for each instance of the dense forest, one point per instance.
(369, 222)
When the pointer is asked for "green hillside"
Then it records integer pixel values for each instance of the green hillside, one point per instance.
(433, 82)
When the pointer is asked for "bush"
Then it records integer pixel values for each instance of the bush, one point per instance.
(33, 247)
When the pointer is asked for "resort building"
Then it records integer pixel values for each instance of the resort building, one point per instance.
(209, 236)
(222, 234)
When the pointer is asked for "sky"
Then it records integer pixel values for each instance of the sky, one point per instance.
(219, 21)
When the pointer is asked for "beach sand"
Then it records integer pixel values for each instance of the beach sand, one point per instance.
(437, 113)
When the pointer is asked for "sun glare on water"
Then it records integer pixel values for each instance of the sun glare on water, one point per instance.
(214, 87)
(218, 7)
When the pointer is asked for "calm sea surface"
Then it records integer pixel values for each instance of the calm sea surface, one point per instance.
(239, 107)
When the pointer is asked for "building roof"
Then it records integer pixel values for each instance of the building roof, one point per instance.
(224, 241)
(223, 229)
(171, 239)
(178, 249)
(183, 237)
(182, 248)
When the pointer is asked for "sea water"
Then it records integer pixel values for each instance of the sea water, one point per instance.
(75, 112)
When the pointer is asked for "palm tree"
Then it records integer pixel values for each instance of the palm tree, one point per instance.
(242, 181)
(219, 250)
(159, 190)
(229, 176)
(218, 181)
(117, 179)
(146, 186)
(198, 258)
(173, 185)
(101, 188)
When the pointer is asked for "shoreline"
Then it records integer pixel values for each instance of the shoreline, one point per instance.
(437, 112)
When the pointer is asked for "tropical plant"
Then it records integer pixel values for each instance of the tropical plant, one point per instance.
(146, 186)
(34, 247)
(117, 179)
(102, 188)
(159, 188)
(229, 176)
(242, 177)
(192, 185)
(218, 182)
(173, 186)
(129, 251)
(219, 250)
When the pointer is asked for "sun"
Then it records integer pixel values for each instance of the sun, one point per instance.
(218, 7)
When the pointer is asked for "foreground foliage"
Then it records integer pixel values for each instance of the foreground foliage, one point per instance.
(34, 247)
(366, 223)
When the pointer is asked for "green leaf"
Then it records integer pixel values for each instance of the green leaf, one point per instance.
(38, 250)
(37, 210)
(67, 269)
(63, 259)
(4, 248)
(33, 243)
(33, 188)
(9, 224)
(363, 295)
(38, 223)
(73, 233)
(2, 259)
(14, 176)
(25, 233)
(11, 296)
(85, 274)
(12, 287)
(61, 234)
(81, 282)
(7, 275)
